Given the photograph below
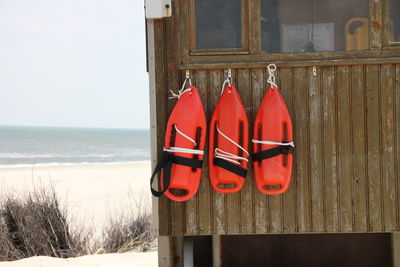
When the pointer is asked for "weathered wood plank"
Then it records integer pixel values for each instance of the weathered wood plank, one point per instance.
(289, 197)
(218, 200)
(275, 201)
(358, 115)
(344, 148)
(204, 200)
(330, 149)
(396, 249)
(174, 81)
(161, 102)
(261, 222)
(291, 60)
(191, 205)
(233, 200)
(246, 194)
(389, 195)
(302, 154)
(397, 140)
(316, 156)
(373, 146)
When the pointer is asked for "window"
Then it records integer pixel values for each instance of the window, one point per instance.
(314, 26)
(218, 24)
(259, 31)
(394, 21)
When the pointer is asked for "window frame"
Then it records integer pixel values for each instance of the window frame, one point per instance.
(190, 58)
(387, 43)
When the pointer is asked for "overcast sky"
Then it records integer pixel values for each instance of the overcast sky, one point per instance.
(78, 63)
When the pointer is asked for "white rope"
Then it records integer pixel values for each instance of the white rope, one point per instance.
(179, 94)
(184, 135)
(183, 149)
(219, 153)
(174, 149)
(182, 90)
(272, 143)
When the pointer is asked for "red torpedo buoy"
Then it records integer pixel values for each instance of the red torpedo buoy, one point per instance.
(272, 144)
(228, 142)
(182, 157)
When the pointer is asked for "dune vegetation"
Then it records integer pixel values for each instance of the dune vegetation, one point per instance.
(36, 224)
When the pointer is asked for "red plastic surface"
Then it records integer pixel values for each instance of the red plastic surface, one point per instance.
(273, 123)
(188, 115)
(228, 114)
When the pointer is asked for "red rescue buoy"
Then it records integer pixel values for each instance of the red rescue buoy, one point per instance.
(272, 144)
(228, 142)
(182, 157)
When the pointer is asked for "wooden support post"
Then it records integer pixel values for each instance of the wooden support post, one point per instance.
(396, 249)
(153, 119)
(171, 251)
(177, 251)
(216, 243)
(165, 257)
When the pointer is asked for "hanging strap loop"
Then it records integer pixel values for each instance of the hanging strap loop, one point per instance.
(165, 164)
(167, 159)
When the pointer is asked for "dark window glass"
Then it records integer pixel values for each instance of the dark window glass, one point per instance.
(394, 22)
(218, 24)
(314, 25)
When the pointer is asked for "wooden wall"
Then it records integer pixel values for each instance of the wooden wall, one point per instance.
(345, 174)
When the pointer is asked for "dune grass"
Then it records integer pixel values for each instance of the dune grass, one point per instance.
(35, 224)
(129, 230)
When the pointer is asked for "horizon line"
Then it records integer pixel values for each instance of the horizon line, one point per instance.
(77, 127)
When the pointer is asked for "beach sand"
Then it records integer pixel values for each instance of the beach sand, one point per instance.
(144, 259)
(91, 193)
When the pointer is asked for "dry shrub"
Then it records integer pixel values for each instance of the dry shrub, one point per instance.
(36, 225)
(131, 231)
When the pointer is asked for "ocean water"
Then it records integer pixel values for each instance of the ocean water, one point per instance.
(25, 146)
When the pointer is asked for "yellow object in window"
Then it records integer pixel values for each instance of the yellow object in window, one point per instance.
(357, 34)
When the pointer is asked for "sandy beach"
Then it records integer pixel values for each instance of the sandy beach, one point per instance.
(91, 193)
(139, 259)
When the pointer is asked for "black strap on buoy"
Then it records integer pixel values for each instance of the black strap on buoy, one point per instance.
(229, 166)
(272, 152)
(166, 161)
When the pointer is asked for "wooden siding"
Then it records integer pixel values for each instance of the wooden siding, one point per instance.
(345, 173)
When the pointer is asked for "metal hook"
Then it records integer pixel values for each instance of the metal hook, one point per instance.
(228, 81)
(271, 67)
(187, 79)
(271, 78)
